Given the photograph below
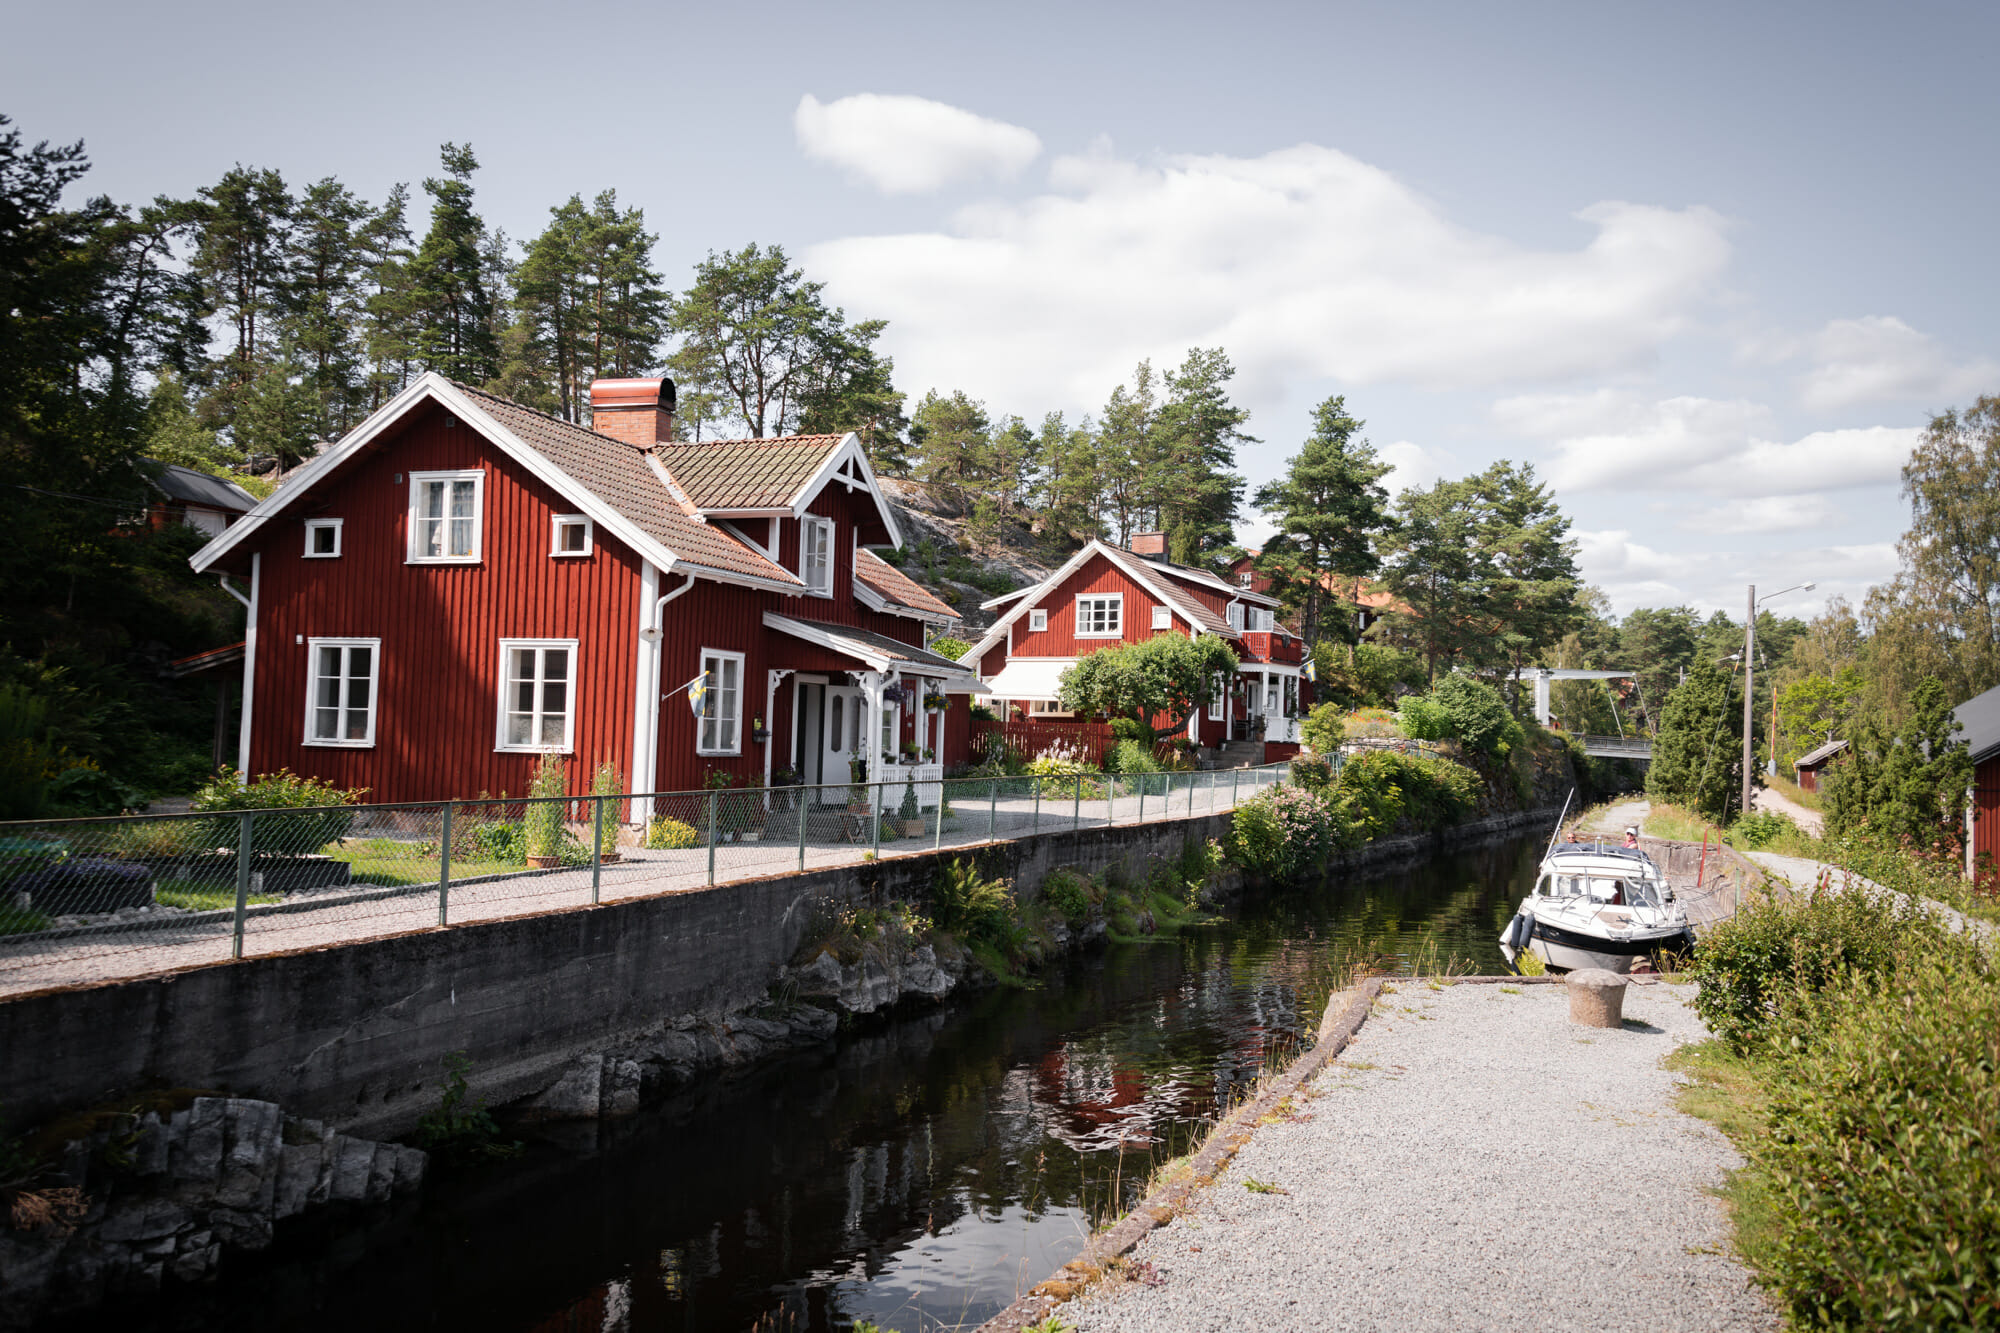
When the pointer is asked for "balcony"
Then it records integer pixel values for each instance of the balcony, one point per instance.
(1270, 646)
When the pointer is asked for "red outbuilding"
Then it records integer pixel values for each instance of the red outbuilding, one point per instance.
(1979, 720)
(463, 584)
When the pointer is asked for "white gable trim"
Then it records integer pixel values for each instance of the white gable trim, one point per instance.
(848, 450)
(998, 635)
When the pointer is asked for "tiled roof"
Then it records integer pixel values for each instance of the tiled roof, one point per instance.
(891, 583)
(618, 474)
(747, 474)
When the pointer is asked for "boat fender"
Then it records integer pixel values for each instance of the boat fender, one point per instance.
(1520, 930)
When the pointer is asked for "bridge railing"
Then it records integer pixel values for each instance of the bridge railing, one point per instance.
(92, 900)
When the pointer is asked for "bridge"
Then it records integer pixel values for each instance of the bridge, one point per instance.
(1597, 747)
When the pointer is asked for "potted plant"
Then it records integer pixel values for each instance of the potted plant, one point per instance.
(908, 818)
(857, 791)
(542, 824)
(935, 701)
(930, 755)
(604, 783)
(757, 733)
(910, 752)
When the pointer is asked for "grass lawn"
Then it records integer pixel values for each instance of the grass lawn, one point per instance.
(1676, 824)
(1792, 791)
(387, 861)
(202, 895)
(1732, 1093)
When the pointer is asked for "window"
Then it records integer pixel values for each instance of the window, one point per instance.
(322, 538)
(1258, 619)
(1048, 708)
(816, 554)
(537, 694)
(444, 517)
(1100, 617)
(891, 718)
(719, 729)
(1037, 621)
(573, 535)
(208, 522)
(1163, 617)
(340, 691)
(1243, 579)
(1236, 616)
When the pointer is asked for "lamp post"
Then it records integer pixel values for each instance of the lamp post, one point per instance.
(1749, 683)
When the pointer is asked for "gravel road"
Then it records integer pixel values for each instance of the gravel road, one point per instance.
(1470, 1162)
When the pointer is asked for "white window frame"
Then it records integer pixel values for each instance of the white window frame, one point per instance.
(1038, 620)
(1116, 601)
(501, 745)
(1163, 617)
(809, 524)
(418, 482)
(560, 521)
(1244, 579)
(1235, 614)
(1259, 619)
(731, 743)
(317, 525)
(313, 647)
(1048, 708)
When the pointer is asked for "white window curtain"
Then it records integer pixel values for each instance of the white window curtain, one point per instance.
(444, 515)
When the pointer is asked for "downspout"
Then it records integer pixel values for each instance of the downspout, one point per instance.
(249, 659)
(653, 634)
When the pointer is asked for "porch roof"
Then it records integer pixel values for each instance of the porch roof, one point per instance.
(877, 652)
(1036, 680)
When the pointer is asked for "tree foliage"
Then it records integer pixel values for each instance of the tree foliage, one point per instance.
(1904, 786)
(1697, 758)
(1165, 677)
(1330, 507)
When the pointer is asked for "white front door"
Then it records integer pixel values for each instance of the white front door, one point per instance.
(846, 731)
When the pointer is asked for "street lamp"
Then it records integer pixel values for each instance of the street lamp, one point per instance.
(1749, 681)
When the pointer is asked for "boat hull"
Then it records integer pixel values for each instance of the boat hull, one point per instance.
(1572, 951)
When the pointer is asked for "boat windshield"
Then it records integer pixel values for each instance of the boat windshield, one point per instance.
(1618, 890)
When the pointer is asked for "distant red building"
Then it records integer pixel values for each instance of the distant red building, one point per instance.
(1979, 718)
(463, 584)
(1370, 603)
(1104, 595)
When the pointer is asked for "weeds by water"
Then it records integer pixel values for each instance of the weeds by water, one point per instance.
(461, 1130)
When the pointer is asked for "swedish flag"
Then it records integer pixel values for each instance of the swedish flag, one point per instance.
(1311, 672)
(697, 692)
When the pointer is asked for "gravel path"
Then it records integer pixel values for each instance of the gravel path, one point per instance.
(1802, 874)
(1769, 798)
(1615, 819)
(1470, 1162)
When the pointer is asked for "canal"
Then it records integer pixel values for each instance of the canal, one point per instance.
(917, 1174)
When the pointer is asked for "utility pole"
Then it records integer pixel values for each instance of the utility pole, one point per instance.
(1749, 684)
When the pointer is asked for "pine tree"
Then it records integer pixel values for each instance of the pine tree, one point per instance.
(589, 305)
(1128, 454)
(390, 320)
(452, 297)
(952, 440)
(325, 300)
(1195, 491)
(241, 233)
(1330, 507)
(1697, 758)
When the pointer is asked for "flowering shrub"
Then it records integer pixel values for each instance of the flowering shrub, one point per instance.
(1284, 832)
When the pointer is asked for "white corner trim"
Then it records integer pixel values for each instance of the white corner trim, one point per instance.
(645, 693)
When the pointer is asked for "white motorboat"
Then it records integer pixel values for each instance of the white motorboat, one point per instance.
(1597, 905)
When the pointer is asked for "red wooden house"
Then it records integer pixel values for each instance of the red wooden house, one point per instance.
(1979, 718)
(463, 584)
(1370, 603)
(1104, 595)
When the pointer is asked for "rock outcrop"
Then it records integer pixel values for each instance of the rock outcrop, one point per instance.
(166, 1197)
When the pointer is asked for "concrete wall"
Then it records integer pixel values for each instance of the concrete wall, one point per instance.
(354, 1035)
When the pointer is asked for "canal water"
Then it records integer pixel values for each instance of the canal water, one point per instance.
(917, 1175)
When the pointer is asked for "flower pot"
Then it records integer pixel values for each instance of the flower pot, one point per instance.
(606, 858)
(545, 862)
(748, 837)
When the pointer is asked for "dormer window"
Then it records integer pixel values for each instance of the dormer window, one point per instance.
(816, 555)
(1037, 621)
(322, 538)
(573, 535)
(444, 517)
(1243, 579)
(1236, 616)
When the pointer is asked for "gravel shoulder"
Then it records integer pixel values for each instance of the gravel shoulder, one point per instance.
(1471, 1161)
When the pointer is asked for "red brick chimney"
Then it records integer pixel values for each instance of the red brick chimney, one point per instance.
(638, 412)
(1148, 543)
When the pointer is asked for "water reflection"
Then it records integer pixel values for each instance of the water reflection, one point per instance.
(919, 1175)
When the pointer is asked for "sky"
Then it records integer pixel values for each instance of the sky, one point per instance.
(1709, 267)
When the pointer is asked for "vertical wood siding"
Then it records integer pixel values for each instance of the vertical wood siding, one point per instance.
(437, 698)
(1097, 576)
(1986, 820)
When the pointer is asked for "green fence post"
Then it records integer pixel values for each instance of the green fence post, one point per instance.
(805, 805)
(1141, 818)
(937, 834)
(245, 823)
(444, 864)
(1076, 810)
(711, 835)
(1038, 807)
(1235, 780)
(596, 849)
(875, 819)
(992, 808)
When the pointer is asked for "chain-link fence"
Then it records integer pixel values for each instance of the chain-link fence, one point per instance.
(85, 901)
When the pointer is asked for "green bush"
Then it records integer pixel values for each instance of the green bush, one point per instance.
(1067, 894)
(542, 822)
(606, 782)
(1883, 1158)
(944, 645)
(966, 902)
(668, 835)
(1479, 716)
(1284, 833)
(1311, 771)
(274, 835)
(491, 840)
(1760, 829)
(1324, 729)
(1131, 756)
(1758, 967)
(1423, 718)
(1379, 789)
(1131, 729)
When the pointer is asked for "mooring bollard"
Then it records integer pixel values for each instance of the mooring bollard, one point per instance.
(1596, 998)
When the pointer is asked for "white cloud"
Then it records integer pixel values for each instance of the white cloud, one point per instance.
(1617, 441)
(1879, 358)
(1303, 263)
(1769, 514)
(911, 145)
(1413, 465)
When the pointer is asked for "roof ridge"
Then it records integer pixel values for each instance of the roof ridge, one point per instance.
(550, 417)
